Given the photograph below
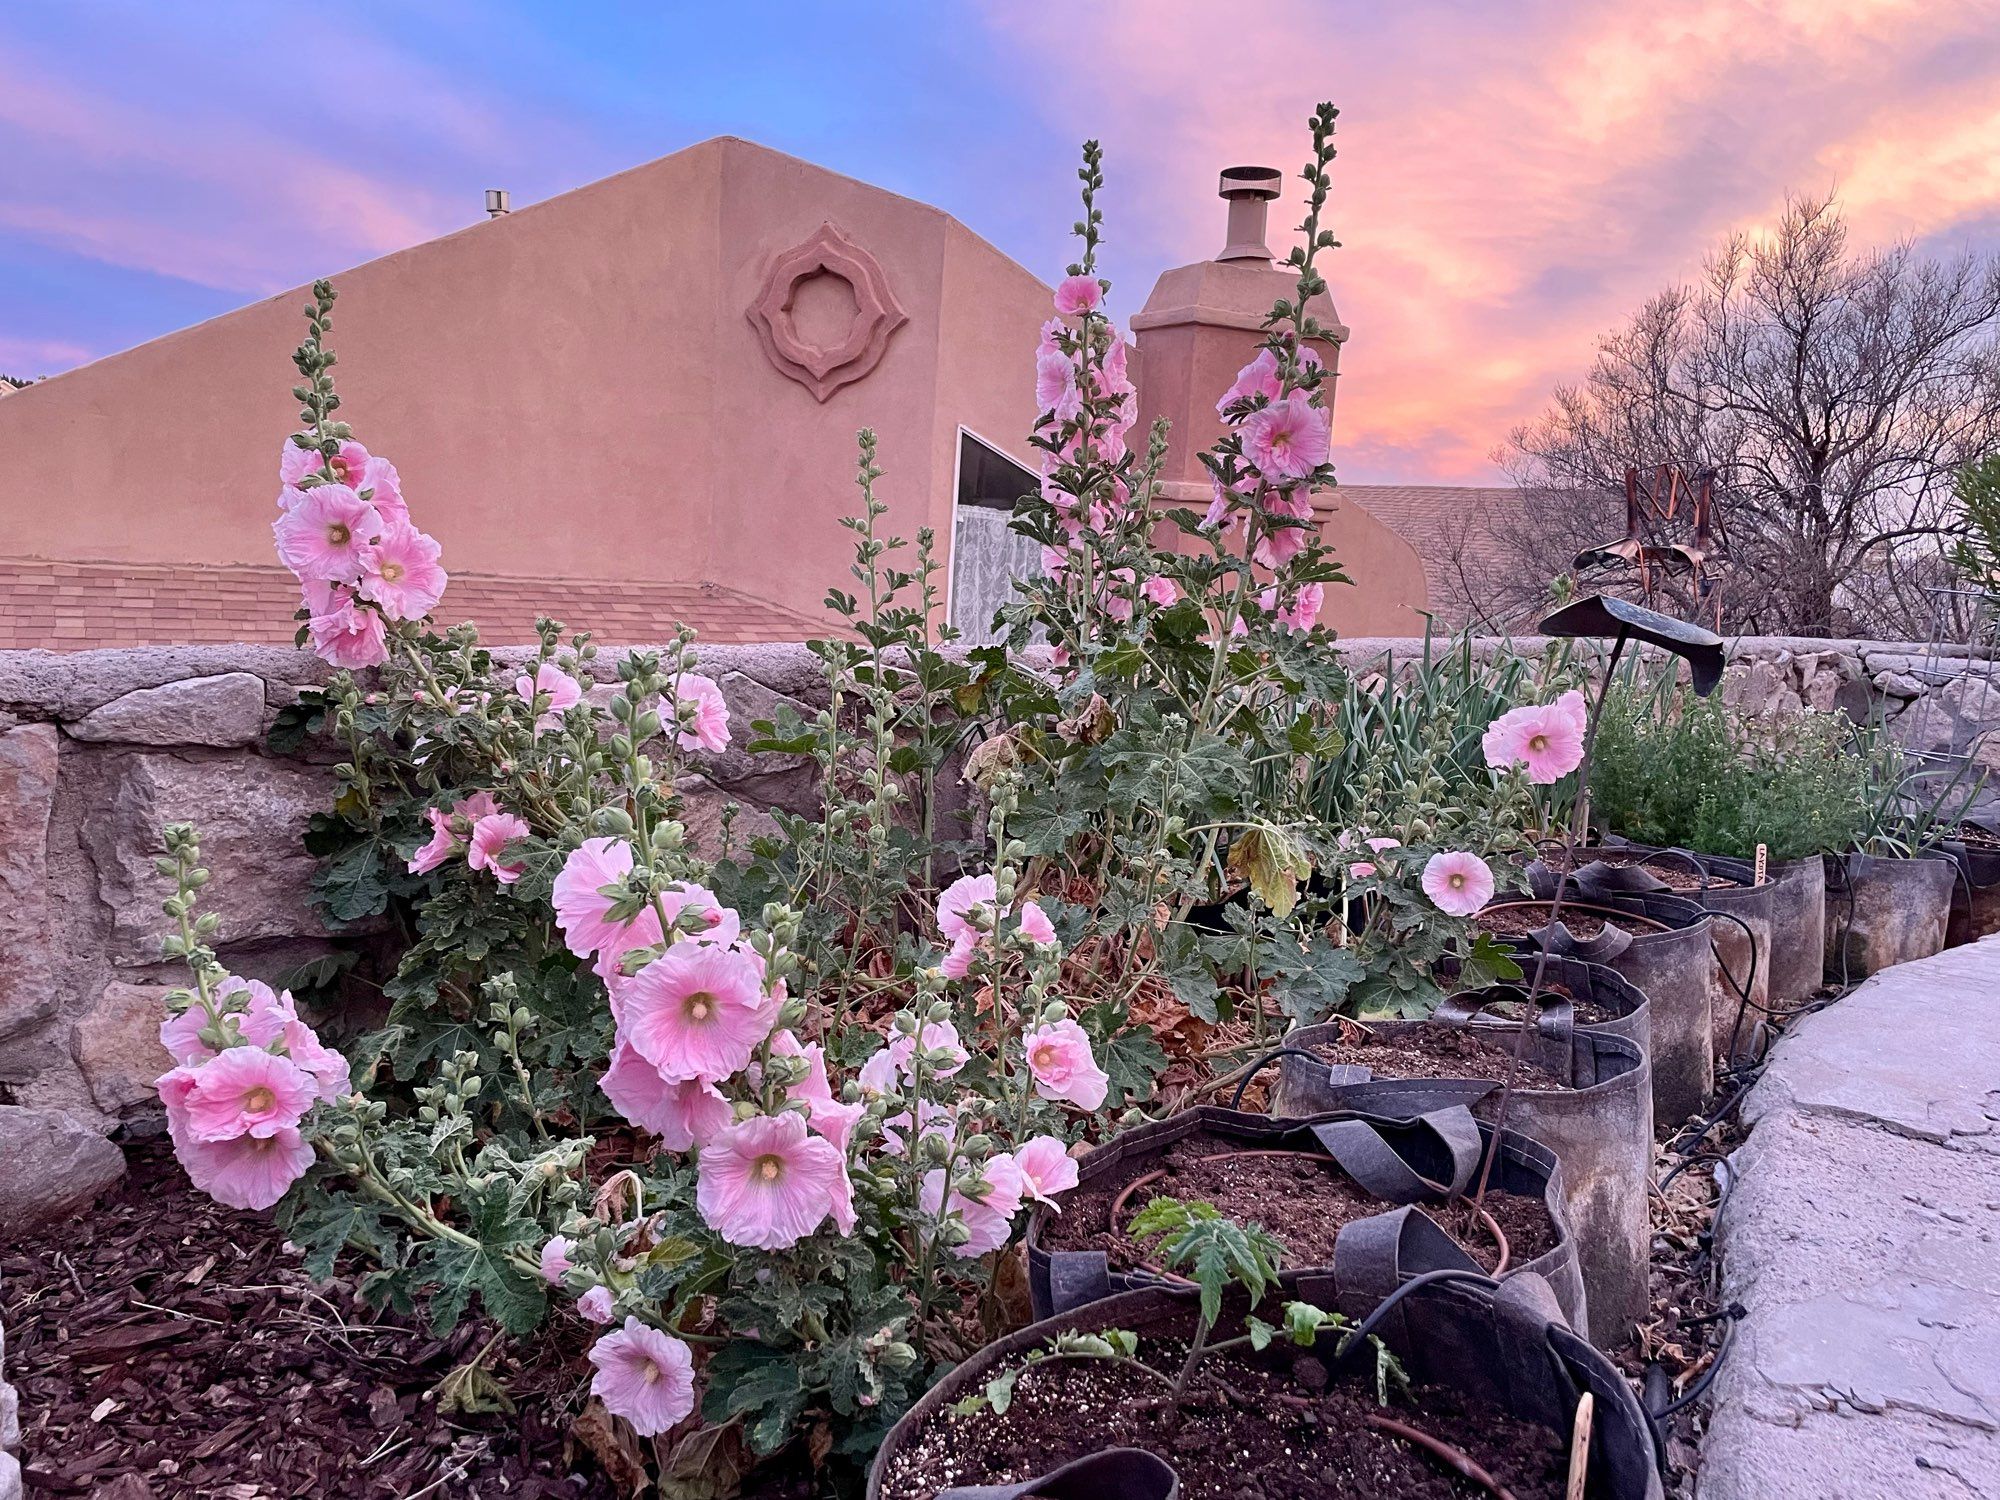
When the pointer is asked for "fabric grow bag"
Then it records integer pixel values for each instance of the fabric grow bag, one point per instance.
(1881, 912)
(1798, 931)
(1631, 1011)
(1675, 967)
(1407, 1162)
(1600, 1130)
(1503, 1344)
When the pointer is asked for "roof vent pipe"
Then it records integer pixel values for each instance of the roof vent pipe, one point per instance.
(498, 204)
(1248, 192)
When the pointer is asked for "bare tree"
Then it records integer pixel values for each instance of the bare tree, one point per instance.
(1835, 395)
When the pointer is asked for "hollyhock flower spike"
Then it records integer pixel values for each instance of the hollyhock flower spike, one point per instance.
(1046, 1168)
(1078, 294)
(765, 1184)
(562, 692)
(1288, 439)
(697, 1011)
(1059, 1057)
(709, 726)
(1458, 883)
(248, 1091)
(490, 837)
(644, 1376)
(324, 536)
(400, 572)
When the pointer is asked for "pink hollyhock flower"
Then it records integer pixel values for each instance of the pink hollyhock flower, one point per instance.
(933, 1036)
(962, 900)
(684, 1114)
(1078, 294)
(1280, 543)
(827, 1115)
(349, 465)
(385, 490)
(1258, 378)
(1301, 613)
(248, 1171)
(710, 727)
(989, 1217)
(1218, 508)
(1162, 591)
(595, 1305)
(580, 899)
(248, 1091)
(842, 1212)
(1046, 1168)
(350, 637)
(1035, 924)
(644, 1376)
(698, 1011)
(1056, 390)
(555, 1259)
(1059, 1057)
(957, 962)
(1547, 738)
(1288, 439)
(328, 1068)
(324, 536)
(1574, 704)
(1457, 882)
(560, 691)
(1362, 869)
(181, 1036)
(450, 830)
(400, 572)
(264, 1014)
(490, 837)
(1055, 563)
(765, 1184)
(687, 907)
(878, 1074)
(1116, 381)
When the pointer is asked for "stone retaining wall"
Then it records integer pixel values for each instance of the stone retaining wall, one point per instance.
(98, 749)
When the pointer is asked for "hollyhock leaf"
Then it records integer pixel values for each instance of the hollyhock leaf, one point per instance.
(1272, 862)
(1488, 962)
(1129, 1054)
(329, 1226)
(353, 884)
(515, 1299)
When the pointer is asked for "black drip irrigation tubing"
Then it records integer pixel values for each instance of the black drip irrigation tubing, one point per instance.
(1243, 1084)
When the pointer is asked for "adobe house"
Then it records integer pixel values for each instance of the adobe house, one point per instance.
(631, 404)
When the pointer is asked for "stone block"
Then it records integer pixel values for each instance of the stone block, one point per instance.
(222, 711)
(1898, 685)
(252, 816)
(702, 802)
(28, 759)
(117, 1045)
(51, 1166)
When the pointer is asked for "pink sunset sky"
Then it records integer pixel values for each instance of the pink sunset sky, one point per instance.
(1514, 178)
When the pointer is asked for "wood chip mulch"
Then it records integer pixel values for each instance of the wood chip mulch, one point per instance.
(165, 1346)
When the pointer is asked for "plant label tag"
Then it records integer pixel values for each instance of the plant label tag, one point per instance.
(1763, 859)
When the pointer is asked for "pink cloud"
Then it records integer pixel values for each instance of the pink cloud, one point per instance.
(1515, 180)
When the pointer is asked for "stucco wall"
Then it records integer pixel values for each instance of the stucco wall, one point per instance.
(98, 749)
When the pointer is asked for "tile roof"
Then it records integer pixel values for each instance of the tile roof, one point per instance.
(1451, 526)
(72, 606)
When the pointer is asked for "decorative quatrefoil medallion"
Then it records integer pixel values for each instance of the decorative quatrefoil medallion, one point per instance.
(825, 368)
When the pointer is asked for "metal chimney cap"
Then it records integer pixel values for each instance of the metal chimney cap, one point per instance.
(1251, 182)
(498, 202)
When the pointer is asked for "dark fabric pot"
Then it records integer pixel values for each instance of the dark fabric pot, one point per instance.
(1798, 931)
(1677, 970)
(1601, 1131)
(1741, 934)
(1406, 1162)
(1975, 895)
(1503, 1344)
(1881, 912)
(1632, 1012)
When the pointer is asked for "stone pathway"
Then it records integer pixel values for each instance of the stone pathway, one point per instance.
(1863, 1235)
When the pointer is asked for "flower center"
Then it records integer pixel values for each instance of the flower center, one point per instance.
(1457, 882)
(392, 572)
(700, 1005)
(768, 1168)
(1539, 743)
(338, 534)
(650, 1373)
(1044, 1056)
(259, 1099)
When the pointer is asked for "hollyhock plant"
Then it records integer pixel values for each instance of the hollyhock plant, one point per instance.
(1059, 1056)
(487, 846)
(1459, 883)
(696, 704)
(766, 1184)
(1256, 380)
(644, 1376)
(697, 1011)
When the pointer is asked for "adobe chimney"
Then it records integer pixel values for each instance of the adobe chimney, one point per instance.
(1248, 191)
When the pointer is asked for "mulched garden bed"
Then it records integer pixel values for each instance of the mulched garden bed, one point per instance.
(1302, 1199)
(164, 1345)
